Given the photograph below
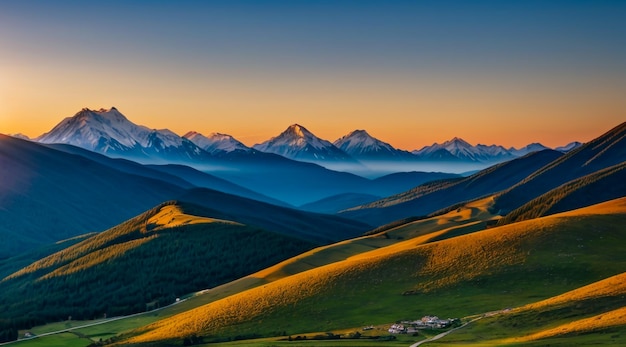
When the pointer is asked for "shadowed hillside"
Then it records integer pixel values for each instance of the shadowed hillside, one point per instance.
(182, 176)
(600, 186)
(437, 195)
(336, 203)
(205, 180)
(501, 267)
(48, 195)
(603, 152)
(306, 225)
(140, 265)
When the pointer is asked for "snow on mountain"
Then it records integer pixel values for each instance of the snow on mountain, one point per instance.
(568, 147)
(216, 142)
(110, 132)
(533, 147)
(100, 131)
(458, 149)
(20, 136)
(300, 144)
(461, 149)
(434, 154)
(361, 145)
(494, 152)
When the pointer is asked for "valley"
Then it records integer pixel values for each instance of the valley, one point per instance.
(524, 252)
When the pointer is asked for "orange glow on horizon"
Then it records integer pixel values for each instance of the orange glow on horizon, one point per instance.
(394, 109)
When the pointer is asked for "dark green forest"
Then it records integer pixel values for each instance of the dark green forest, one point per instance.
(137, 267)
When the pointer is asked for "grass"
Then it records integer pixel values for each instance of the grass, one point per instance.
(498, 331)
(501, 267)
(309, 260)
(171, 215)
(493, 269)
(590, 315)
(58, 340)
(464, 220)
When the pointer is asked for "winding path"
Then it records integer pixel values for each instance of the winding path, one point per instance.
(89, 325)
(437, 337)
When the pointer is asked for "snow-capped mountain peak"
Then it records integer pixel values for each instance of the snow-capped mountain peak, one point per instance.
(295, 137)
(216, 142)
(359, 138)
(459, 149)
(96, 130)
(533, 147)
(296, 142)
(457, 144)
(299, 131)
(110, 132)
(361, 145)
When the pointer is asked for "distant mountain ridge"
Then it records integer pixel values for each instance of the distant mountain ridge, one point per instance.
(111, 133)
(461, 150)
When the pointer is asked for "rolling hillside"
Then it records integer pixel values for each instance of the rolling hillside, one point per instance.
(436, 195)
(180, 175)
(591, 189)
(144, 263)
(501, 267)
(48, 195)
(592, 315)
(298, 183)
(206, 180)
(603, 152)
(310, 226)
(339, 202)
(597, 306)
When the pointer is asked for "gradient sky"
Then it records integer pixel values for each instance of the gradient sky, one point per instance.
(410, 72)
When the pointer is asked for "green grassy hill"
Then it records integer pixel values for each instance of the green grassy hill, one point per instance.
(144, 263)
(592, 315)
(507, 266)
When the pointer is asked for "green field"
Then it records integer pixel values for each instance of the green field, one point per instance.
(58, 340)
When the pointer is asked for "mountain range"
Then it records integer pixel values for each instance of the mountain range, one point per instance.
(216, 143)
(111, 133)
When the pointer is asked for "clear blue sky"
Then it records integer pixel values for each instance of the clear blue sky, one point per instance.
(410, 72)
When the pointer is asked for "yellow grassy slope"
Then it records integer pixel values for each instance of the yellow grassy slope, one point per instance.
(602, 321)
(476, 254)
(614, 286)
(172, 216)
(473, 215)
